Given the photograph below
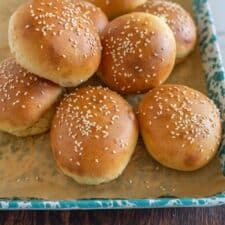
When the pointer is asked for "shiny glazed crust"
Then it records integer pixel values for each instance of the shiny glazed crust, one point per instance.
(25, 100)
(181, 127)
(180, 22)
(93, 135)
(115, 8)
(53, 40)
(138, 53)
(90, 11)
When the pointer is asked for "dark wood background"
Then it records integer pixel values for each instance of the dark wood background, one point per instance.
(191, 216)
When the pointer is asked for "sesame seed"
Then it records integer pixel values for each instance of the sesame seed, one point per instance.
(80, 119)
(162, 188)
(69, 18)
(189, 126)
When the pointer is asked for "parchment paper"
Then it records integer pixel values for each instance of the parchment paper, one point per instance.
(27, 168)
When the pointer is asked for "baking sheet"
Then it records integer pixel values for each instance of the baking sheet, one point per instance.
(27, 168)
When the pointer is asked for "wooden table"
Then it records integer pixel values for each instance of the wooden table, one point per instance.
(199, 216)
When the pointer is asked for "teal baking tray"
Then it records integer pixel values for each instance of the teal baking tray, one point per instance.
(215, 79)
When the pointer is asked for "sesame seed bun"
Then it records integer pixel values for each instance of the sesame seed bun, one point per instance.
(138, 53)
(27, 102)
(90, 11)
(93, 135)
(54, 41)
(180, 127)
(180, 22)
(115, 8)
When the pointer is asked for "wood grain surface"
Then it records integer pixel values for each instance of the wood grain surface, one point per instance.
(199, 216)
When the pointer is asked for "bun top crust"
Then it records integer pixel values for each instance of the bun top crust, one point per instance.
(138, 53)
(90, 11)
(53, 40)
(24, 97)
(188, 123)
(115, 8)
(178, 19)
(94, 134)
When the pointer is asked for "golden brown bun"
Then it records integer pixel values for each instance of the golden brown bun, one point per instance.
(93, 135)
(90, 11)
(138, 53)
(114, 8)
(180, 126)
(53, 40)
(178, 20)
(27, 102)
(39, 127)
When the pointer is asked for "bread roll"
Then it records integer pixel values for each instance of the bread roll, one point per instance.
(90, 11)
(180, 22)
(93, 135)
(180, 127)
(114, 8)
(27, 102)
(138, 53)
(53, 40)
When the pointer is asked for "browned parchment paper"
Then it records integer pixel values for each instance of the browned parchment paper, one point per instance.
(27, 168)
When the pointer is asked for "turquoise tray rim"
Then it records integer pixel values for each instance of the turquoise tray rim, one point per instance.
(215, 77)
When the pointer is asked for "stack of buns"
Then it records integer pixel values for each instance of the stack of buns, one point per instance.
(60, 44)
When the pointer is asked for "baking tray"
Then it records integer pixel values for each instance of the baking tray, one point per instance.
(215, 80)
